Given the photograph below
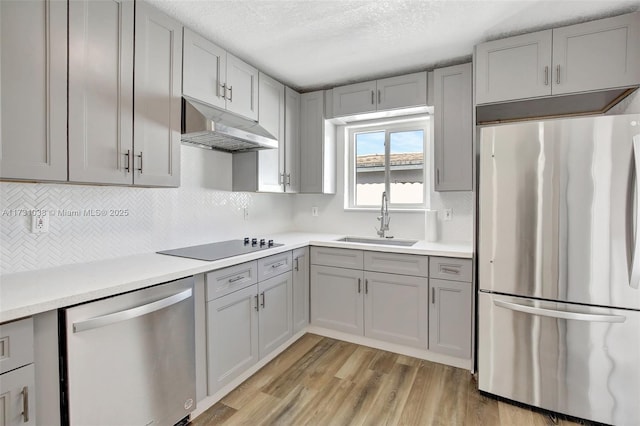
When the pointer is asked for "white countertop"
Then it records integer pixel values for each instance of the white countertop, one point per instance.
(27, 293)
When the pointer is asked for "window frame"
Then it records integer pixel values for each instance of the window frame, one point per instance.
(422, 122)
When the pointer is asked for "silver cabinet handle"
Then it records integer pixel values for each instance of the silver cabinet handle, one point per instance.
(546, 75)
(552, 313)
(297, 263)
(238, 278)
(359, 286)
(450, 271)
(289, 179)
(281, 178)
(634, 279)
(263, 300)
(127, 168)
(433, 295)
(140, 168)
(257, 304)
(558, 74)
(379, 96)
(366, 286)
(230, 94)
(277, 265)
(224, 90)
(373, 100)
(25, 404)
(138, 311)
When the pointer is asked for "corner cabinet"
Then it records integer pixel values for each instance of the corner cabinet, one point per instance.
(317, 146)
(33, 109)
(453, 129)
(157, 98)
(403, 91)
(594, 55)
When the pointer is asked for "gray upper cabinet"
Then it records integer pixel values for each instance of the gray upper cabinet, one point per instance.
(264, 170)
(597, 55)
(216, 77)
(453, 122)
(317, 146)
(33, 82)
(403, 91)
(101, 91)
(157, 98)
(514, 68)
(593, 55)
(291, 172)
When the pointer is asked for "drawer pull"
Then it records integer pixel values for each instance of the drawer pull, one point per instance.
(450, 271)
(277, 265)
(263, 299)
(238, 278)
(25, 404)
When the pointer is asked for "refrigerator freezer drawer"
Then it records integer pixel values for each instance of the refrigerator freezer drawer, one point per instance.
(573, 359)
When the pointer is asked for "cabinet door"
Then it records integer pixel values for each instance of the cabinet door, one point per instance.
(514, 68)
(395, 308)
(450, 318)
(311, 141)
(271, 161)
(453, 121)
(204, 69)
(242, 88)
(232, 336)
(33, 83)
(276, 312)
(404, 91)
(597, 55)
(157, 98)
(336, 299)
(100, 91)
(300, 288)
(17, 397)
(354, 99)
(292, 140)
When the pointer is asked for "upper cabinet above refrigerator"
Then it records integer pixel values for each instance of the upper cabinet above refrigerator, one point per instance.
(590, 56)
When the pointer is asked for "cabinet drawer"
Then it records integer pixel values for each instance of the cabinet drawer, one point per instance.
(274, 265)
(341, 258)
(16, 344)
(396, 263)
(450, 268)
(228, 280)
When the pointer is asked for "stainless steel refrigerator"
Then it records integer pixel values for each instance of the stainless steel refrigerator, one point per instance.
(559, 266)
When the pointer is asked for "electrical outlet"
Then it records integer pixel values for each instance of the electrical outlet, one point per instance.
(448, 214)
(40, 223)
(246, 213)
(314, 211)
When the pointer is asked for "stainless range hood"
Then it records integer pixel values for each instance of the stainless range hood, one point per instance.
(208, 127)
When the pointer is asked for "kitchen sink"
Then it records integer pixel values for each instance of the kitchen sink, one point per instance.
(379, 241)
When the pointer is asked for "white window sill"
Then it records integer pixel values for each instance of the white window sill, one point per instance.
(391, 210)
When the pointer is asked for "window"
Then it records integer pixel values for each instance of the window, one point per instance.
(387, 157)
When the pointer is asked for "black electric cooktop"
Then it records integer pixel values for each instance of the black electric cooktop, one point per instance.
(222, 249)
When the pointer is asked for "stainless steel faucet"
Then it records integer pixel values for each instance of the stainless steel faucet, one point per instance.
(384, 217)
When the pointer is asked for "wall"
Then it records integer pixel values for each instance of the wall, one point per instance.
(333, 218)
(202, 210)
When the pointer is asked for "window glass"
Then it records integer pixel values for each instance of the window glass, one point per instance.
(370, 168)
(406, 167)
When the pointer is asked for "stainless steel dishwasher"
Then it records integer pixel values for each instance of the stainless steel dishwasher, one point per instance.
(130, 359)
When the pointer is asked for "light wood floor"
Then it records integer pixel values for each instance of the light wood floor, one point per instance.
(322, 381)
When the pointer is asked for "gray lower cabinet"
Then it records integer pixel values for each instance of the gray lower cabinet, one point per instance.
(450, 317)
(300, 288)
(336, 299)
(232, 336)
(395, 308)
(249, 314)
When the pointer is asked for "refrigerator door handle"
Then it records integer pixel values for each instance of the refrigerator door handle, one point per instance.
(634, 279)
(559, 314)
(138, 311)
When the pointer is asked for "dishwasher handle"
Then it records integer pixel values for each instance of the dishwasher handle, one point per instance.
(559, 314)
(138, 311)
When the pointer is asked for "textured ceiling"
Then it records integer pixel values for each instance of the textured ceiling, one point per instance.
(311, 44)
